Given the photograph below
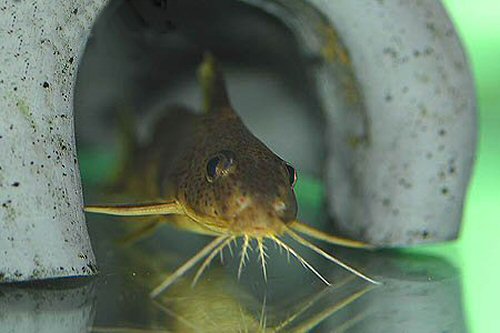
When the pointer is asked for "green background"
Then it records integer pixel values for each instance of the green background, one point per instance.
(478, 250)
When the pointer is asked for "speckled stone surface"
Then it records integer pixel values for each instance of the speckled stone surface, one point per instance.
(402, 177)
(42, 227)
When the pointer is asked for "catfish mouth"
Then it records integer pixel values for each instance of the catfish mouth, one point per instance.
(262, 230)
(249, 222)
(255, 223)
(256, 216)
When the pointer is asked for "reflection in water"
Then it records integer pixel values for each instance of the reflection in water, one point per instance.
(57, 306)
(219, 303)
(420, 293)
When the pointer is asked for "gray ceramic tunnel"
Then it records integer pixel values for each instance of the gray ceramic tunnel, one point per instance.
(400, 121)
(398, 173)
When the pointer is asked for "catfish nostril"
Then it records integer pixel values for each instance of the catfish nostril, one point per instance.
(241, 204)
(286, 211)
(279, 206)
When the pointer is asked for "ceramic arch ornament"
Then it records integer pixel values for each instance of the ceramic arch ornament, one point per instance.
(42, 227)
(406, 184)
(394, 84)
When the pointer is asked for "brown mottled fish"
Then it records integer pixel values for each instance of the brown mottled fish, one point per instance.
(212, 176)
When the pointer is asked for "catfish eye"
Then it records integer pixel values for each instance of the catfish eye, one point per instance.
(212, 168)
(220, 165)
(292, 174)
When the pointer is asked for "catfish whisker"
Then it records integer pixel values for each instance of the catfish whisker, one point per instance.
(250, 245)
(321, 252)
(307, 230)
(277, 246)
(281, 251)
(244, 254)
(262, 256)
(242, 320)
(176, 316)
(209, 259)
(230, 246)
(187, 266)
(300, 259)
(263, 317)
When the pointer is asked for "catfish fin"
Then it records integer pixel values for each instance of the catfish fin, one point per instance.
(215, 96)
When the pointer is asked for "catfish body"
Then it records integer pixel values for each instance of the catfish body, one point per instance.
(213, 176)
